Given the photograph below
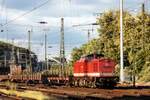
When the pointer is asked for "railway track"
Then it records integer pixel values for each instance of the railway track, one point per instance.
(88, 93)
(6, 97)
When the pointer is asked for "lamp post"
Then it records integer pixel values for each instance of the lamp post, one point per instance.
(46, 62)
(48, 67)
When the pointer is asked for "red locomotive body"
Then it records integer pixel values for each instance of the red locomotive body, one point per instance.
(93, 68)
(96, 70)
(80, 68)
(107, 67)
(101, 68)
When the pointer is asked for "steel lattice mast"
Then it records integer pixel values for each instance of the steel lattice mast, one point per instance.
(62, 48)
(29, 48)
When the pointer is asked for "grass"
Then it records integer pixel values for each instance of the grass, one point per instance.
(26, 94)
(36, 95)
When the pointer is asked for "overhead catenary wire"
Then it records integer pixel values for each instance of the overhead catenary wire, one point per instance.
(27, 25)
(26, 13)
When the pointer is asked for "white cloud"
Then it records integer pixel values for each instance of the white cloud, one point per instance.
(106, 1)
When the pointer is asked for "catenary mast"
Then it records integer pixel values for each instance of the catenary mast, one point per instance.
(62, 48)
(121, 43)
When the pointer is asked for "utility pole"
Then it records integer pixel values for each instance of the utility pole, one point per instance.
(88, 35)
(143, 8)
(143, 31)
(29, 48)
(46, 62)
(5, 59)
(62, 48)
(88, 30)
(121, 43)
(12, 58)
(143, 22)
(13, 52)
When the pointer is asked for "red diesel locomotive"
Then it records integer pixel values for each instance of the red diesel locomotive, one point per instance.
(95, 71)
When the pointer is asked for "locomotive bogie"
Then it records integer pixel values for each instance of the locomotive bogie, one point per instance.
(58, 80)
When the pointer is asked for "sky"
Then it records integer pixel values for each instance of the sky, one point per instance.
(74, 12)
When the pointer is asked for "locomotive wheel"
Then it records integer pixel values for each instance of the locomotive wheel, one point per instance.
(29, 82)
(75, 83)
(105, 83)
(93, 84)
(45, 81)
(81, 83)
(89, 84)
(71, 83)
(86, 83)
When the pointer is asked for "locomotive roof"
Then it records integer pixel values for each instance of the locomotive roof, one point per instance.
(93, 55)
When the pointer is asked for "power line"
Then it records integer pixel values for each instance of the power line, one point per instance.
(26, 25)
(26, 13)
